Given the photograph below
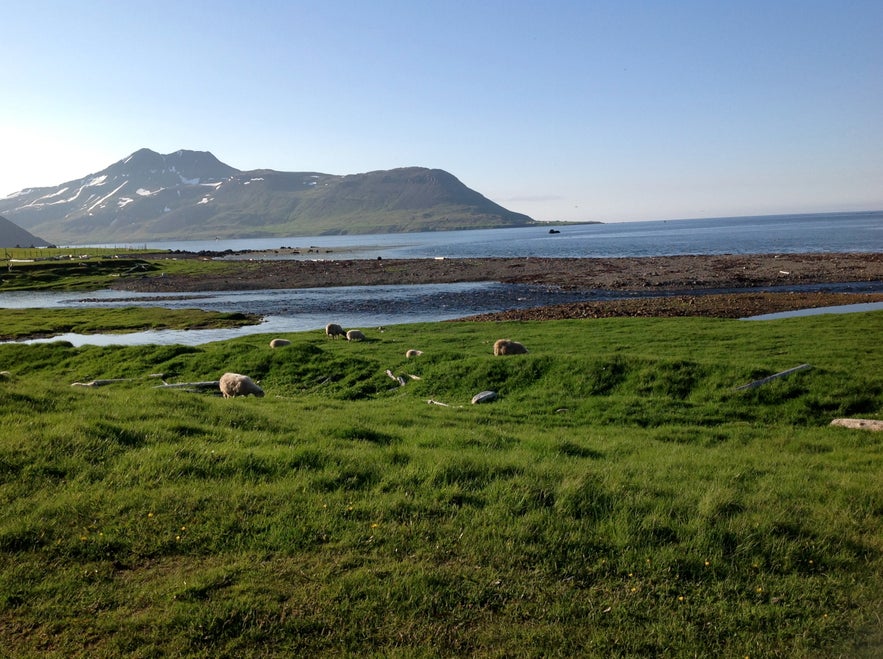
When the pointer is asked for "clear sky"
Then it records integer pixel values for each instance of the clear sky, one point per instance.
(579, 110)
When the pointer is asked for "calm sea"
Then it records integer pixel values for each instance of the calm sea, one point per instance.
(368, 307)
(838, 232)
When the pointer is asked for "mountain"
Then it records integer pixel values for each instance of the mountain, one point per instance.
(12, 235)
(189, 195)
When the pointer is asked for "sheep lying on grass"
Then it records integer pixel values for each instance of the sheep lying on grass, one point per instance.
(509, 347)
(355, 335)
(334, 330)
(234, 384)
(413, 353)
(279, 343)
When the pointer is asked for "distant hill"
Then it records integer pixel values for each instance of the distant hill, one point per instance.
(189, 195)
(12, 235)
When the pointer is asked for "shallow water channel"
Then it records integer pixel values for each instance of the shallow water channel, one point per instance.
(297, 310)
(363, 307)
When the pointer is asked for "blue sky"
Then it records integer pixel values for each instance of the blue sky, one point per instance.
(581, 111)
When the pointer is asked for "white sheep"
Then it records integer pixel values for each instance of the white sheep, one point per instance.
(355, 335)
(413, 353)
(234, 384)
(509, 347)
(334, 330)
(279, 343)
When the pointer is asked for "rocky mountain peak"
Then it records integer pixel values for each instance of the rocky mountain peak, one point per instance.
(192, 195)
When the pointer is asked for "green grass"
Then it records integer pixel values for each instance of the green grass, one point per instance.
(85, 275)
(620, 498)
(30, 323)
(79, 253)
(88, 269)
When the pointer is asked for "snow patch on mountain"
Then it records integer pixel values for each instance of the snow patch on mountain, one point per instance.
(36, 203)
(106, 197)
(49, 196)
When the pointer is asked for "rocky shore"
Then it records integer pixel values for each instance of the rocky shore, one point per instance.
(715, 285)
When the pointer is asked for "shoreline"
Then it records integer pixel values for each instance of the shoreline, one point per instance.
(708, 285)
(665, 274)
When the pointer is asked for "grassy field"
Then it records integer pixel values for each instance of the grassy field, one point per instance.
(88, 269)
(29, 323)
(79, 253)
(620, 498)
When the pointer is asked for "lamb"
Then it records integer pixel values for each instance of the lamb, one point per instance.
(234, 384)
(355, 335)
(334, 330)
(509, 347)
(413, 353)
(279, 343)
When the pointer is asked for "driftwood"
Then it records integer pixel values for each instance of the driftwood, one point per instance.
(100, 383)
(859, 424)
(438, 402)
(484, 397)
(401, 379)
(397, 378)
(757, 383)
(208, 384)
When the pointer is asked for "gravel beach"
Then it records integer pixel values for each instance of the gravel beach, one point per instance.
(715, 285)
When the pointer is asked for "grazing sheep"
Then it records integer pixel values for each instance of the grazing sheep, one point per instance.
(334, 330)
(234, 384)
(509, 347)
(355, 335)
(413, 353)
(279, 343)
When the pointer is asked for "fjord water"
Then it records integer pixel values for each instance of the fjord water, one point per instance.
(780, 234)
(374, 306)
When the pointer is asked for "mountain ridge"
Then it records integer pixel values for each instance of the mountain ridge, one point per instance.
(193, 195)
